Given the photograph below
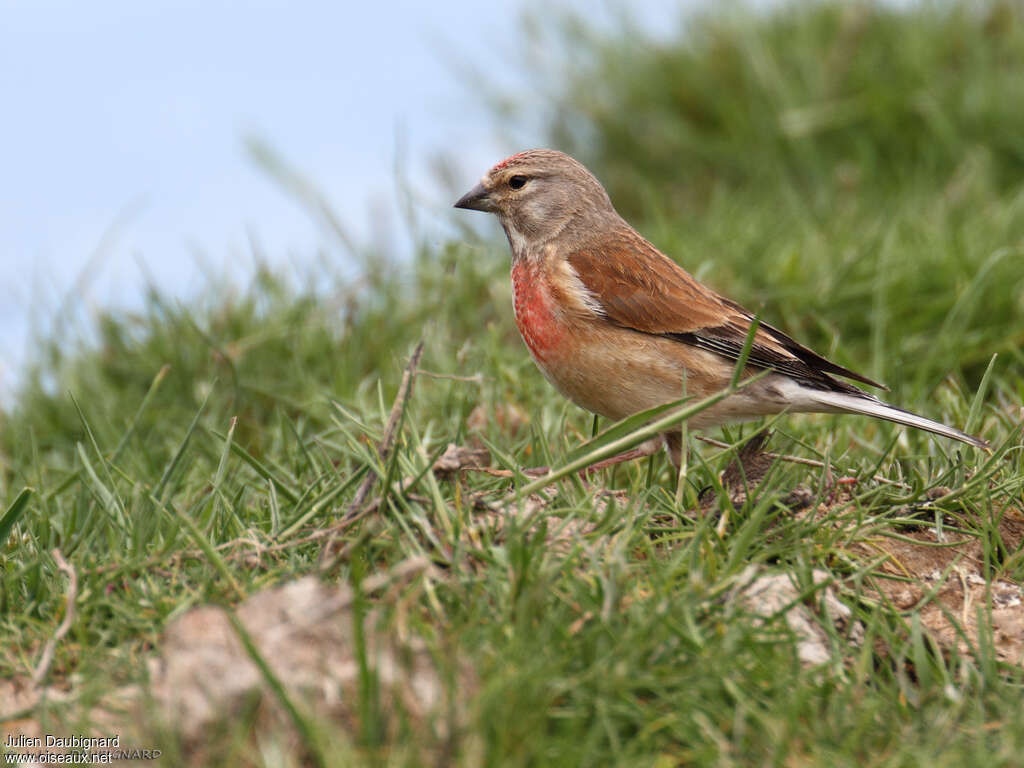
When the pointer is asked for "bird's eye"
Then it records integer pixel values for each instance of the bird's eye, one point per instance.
(517, 182)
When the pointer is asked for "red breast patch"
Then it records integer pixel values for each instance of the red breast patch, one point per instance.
(534, 310)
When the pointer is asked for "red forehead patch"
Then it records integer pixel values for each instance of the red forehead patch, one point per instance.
(507, 161)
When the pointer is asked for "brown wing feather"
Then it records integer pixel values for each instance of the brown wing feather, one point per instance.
(638, 287)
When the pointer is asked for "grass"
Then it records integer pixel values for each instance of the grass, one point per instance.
(187, 454)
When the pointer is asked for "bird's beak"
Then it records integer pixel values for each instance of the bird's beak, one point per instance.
(477, 199)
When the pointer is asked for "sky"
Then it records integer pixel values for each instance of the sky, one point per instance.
(124, 128)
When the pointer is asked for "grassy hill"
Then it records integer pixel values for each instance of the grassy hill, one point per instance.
(855, 173)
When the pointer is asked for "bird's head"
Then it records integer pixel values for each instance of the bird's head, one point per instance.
(540, 195)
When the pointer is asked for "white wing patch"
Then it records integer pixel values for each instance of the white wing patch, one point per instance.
(583, 296)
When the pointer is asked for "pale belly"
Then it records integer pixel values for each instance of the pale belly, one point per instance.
(618, 374)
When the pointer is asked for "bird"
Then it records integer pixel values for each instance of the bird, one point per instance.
(618, 327)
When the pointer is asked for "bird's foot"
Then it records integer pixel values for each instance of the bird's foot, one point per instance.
(835, 487)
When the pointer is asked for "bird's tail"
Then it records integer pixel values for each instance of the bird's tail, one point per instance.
(843, 402)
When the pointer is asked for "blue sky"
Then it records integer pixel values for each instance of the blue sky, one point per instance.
(124, 124)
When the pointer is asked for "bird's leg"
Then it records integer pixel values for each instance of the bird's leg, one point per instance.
(744, 473)
(752, 463)
(644, 449)
(674, 445)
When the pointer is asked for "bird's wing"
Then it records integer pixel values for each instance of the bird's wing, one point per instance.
(640, 288)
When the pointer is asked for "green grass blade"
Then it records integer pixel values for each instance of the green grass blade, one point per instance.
(13, 513)
(622, 428)
(146, 400)
(204, 544)
(110, 501)
(322, 501)
(748, 344)
(173, 464)
(974, 415)
(302, 723)
(282, 487)
(222, 464)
